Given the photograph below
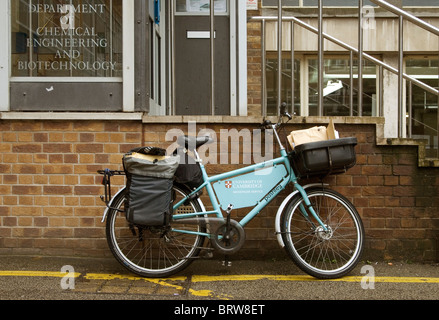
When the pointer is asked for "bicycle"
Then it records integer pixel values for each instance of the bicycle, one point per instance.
(320, 229)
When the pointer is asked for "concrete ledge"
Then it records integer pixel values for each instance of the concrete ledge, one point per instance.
(139, 116)
(123, 116)
(259, 119)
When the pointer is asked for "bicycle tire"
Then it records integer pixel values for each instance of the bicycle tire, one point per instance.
(153, 252)
(324, 255)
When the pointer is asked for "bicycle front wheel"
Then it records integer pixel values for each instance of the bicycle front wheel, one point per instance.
(323, 254)
(153, 251)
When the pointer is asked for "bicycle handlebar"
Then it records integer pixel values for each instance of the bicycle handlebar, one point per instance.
(267, 124)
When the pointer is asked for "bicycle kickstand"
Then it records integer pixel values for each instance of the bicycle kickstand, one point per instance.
(227, 262)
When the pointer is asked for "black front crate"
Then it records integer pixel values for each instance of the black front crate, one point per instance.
(322, 158)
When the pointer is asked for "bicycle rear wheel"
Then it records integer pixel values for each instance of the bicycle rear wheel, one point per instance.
(323, 254)
(153, 251)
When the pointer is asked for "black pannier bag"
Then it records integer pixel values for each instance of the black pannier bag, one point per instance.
(149, 185)
(189, 171)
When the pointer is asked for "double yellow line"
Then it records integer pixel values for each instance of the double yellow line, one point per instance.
(200, 278)
(301, 278)
(50, 274)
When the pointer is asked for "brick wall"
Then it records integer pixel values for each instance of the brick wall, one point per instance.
(397, 200)
(49, 185)
(49, 189)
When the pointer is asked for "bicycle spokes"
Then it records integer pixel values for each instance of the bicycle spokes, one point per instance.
(328, 250)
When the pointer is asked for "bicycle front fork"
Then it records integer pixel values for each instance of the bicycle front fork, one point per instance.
(304, 210)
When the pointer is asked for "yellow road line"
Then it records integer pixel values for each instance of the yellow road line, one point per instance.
(162, 282)
(205, 278)
(309, 278)
(38, 274)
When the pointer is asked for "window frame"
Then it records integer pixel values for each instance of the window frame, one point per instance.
(118, 89)
(205, 13)
(157, 60)
(5, 53)
(304, 76)
(133, 84)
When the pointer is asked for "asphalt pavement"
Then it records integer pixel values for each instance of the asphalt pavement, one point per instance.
(248, 287)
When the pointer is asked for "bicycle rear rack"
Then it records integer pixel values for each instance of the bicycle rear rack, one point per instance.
(106, 182)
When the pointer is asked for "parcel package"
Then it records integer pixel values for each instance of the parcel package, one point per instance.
(314, 134)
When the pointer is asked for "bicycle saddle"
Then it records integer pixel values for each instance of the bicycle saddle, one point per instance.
(192, 143)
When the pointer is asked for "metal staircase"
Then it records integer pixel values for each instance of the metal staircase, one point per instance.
(429, 151)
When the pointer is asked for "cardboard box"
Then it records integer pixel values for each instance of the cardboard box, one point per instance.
(314, 134)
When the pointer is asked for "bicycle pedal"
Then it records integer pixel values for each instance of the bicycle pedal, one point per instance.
(208, 255)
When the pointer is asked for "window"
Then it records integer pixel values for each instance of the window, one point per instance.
(271, 82)
(420, 3)
(424, 104)
(115, 55)
(78, 39)
(66, 55)
(201, 7)
(337, 85)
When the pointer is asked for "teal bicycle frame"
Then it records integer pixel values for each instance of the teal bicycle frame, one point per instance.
(279, 167)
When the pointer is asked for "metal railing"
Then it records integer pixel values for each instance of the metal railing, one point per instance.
(403, 15)
(360, 54)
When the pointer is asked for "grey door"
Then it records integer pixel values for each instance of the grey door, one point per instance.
(192, 65)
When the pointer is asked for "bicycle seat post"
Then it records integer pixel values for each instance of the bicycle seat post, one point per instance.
(197, 156)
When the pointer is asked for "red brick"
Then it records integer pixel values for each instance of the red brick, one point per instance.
(57, 148)
(31, 190)
(377, 212)
(86, 137)
(89, 148)
(57, 190)
(391, 181)
(403, 170)
(88, 190)
(41, 137)
(9, 221)
(57, 169)
(26, 148)
(5, 168)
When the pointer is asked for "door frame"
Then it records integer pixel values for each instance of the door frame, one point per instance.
(237, 12)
